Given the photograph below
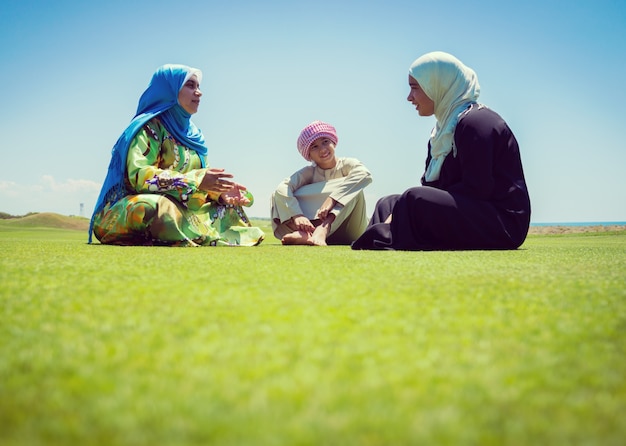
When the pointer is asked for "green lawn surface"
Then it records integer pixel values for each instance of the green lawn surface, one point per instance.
(297, 345)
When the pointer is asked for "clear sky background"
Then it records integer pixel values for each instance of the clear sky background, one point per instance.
(72, 73)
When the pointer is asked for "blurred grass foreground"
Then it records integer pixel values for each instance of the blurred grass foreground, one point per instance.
(273, 345)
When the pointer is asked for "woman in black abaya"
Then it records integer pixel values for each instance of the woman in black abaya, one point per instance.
(473, 193)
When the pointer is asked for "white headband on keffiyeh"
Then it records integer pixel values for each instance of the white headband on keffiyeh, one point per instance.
(453, 87)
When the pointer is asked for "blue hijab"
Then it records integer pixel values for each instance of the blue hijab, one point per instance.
(159, 99)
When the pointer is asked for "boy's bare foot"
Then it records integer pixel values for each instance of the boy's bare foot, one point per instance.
(317, 240)
(296, 238)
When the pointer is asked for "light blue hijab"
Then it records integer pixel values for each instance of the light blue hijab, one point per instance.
(159, 99)
(453, 87)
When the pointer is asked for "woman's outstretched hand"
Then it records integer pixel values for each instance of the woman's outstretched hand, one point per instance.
(236, 196)
(214, 181)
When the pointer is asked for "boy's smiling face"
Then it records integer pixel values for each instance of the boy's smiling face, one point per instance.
(322, 153)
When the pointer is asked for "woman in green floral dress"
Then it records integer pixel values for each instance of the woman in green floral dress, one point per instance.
(158, 189)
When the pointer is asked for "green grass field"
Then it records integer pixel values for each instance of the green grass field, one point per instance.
(277, 345)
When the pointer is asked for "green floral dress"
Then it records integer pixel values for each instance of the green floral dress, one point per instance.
(163, 204)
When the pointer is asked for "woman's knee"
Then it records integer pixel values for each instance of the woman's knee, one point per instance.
(139, 212)
(427, 198)
(387, 200)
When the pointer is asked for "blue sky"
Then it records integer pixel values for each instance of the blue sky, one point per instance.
(72, 72)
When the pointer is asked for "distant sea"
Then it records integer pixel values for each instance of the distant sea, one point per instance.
(582, 223)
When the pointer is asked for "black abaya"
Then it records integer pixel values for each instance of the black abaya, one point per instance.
(480, 200)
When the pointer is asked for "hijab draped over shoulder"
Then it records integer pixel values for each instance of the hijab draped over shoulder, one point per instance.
(453, 87)
(159, 99)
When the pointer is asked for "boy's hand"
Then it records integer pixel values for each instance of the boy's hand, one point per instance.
(301, 223)
(325, 208)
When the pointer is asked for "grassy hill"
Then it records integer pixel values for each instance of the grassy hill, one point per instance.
(46, 220)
